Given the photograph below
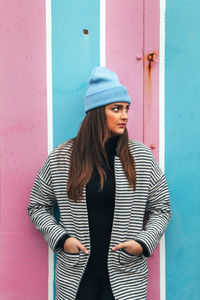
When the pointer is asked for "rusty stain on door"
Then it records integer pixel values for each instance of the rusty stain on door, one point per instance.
(150, 60)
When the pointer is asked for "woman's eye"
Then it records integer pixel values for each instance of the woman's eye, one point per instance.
(115, 108)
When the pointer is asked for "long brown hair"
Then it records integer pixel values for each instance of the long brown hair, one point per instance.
(89, 152)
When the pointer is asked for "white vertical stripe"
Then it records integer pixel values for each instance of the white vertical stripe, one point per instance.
(103, 33)
(51, 275)
(162, 87)
(50, 127)
(162, 269)
(162, 135)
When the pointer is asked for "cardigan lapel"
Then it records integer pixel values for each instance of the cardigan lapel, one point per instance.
(124, 196)
(80, 219)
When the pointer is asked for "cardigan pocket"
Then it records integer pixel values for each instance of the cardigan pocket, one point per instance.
(69, 259)
(131, 262)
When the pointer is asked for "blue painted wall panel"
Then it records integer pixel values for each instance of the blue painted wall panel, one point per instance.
(182, 84)
(74, 54)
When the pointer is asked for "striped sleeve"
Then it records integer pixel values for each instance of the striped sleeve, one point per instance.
(157, 209)
(42, 200)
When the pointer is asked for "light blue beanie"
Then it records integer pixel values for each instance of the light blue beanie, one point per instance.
(104, 88)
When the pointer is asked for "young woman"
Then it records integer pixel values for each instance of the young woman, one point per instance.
(103, 183)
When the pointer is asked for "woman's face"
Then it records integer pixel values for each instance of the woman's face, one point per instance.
(117, 117)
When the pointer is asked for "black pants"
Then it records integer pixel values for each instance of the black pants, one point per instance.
(94, 289)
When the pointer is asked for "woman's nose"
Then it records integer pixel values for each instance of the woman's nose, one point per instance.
(124, 114)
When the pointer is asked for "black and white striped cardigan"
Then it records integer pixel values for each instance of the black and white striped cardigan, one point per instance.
(128, 273)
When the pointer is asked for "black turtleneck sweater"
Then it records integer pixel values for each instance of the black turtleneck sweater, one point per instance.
(100, 206)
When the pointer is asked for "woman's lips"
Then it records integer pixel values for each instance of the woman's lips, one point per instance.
(122, 125)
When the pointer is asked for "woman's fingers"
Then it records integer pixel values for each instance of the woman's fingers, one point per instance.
(73, 245)
(120, 246)
(130, 246)
(82, 248)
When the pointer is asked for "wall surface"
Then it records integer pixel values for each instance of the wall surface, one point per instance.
(23, 146)
(74, 54)
(182, 103)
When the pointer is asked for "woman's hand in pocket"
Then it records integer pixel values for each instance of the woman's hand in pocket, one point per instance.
(130, 246)
(73, 245)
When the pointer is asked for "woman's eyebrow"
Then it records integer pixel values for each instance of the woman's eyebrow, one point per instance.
(120, 105)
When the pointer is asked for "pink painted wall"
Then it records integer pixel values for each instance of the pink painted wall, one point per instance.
(23, 131)
(124, 51)
(151, 74)
(132, 30)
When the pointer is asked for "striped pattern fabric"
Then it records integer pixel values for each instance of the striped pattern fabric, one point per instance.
(128, 273)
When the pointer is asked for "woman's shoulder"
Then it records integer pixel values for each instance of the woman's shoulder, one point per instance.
(62, 149)
(137, 147)
(142, 154)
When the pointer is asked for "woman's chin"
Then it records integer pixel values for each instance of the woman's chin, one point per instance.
(114, 133)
